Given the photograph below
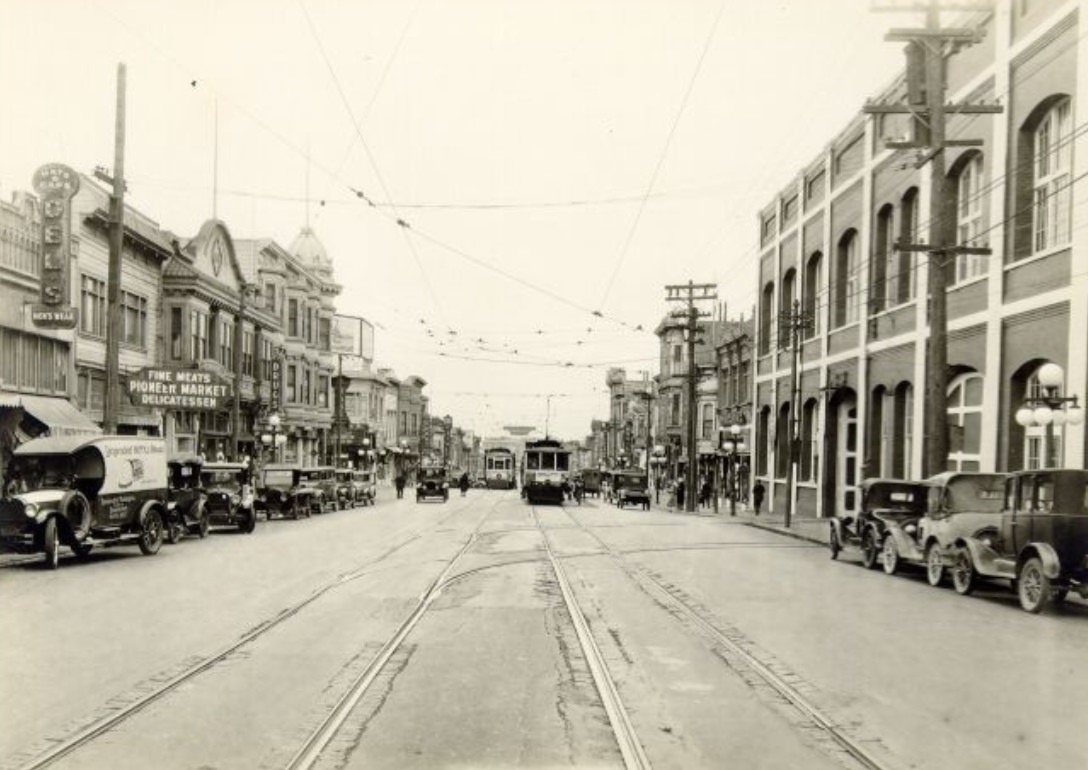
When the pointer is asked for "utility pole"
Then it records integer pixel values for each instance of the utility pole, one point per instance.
(791, 324)
(689, 293)
(926, 51)
(113, 288)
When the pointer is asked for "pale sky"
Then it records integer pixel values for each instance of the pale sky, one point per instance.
(551, 158)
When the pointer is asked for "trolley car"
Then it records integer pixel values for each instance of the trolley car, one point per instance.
(499, 468)
(544, 472)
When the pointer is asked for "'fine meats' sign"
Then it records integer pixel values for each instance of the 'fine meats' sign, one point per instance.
(179, 389)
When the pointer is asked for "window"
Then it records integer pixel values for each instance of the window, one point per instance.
(965, 422)
(782, 445)
(846, 280)
(810, 450)
(908, 234)
(92, 316)
(226, 342)
(306, 396)
(198, 330)
(292, 318)
(902, 431)
(266, 359)
(674, 411)
(766, 314)
(292, 384)
(677, 359)
(707, 422)
(1053, 162)
(785, 308)
(323, 390)
(812, 301)
(969, 196)
(324, 343)
(175, 333)
(270, 297)
(763, 442)
(247, 353)
(885, 267)
(133, 319)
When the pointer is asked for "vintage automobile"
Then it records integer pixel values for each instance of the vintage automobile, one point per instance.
(185, 510)
(882, 500)
(281, 492)
(345, 488)
(631, 488)
(366, 488)
(432, 482)
(1040, 544)
(591, 481)
(958, 504)
(320, 483)
(228, 496)
(82, 492)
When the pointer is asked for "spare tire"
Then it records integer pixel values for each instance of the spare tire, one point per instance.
(76, 510)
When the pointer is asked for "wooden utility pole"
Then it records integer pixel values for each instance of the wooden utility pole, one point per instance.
(791, 324)
(927, 49)
(113, 287)
(690, 293)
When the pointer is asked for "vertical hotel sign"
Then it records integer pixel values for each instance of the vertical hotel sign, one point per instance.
(55, 184)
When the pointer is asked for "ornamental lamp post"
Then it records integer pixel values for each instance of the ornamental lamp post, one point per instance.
(273, 440)
(1049, 410)
(732, 445)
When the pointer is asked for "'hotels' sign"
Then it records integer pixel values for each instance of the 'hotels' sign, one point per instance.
(172, 389)
(56, 184)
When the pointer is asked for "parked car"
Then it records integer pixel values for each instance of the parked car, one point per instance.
(958, 504)
(82, 492)
(1041, 543)
(321, 482)
(366, 487)
(631, 488)
(432, 482)
(882, 501)
(229, 498)
(185, 510)
(345, 488)
(281, 492)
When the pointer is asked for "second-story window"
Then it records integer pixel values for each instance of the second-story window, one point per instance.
(1053, 155)
(226, 342)
(247, 353)
(92, 316)
(969, 219)
(292, 318)
(324, 343)
(134, 319)
(270, 297)
(175, 333)
(198, 331)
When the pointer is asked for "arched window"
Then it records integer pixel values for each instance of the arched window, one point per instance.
(766, 313)
(846, 280)
(763, 440)
(785, 306)
(810, 451)
(1036, 452)
(965, 422)
(969, 198)
(883, 271)
(878, 433)
(908, 233)
(1052, 172)
(782, 442)
(812, 302)
(902, 431)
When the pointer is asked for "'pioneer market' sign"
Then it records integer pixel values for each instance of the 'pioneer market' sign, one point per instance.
(179, 389)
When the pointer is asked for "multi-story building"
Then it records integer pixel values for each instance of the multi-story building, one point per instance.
(734, 352)
(630, 410)
(829, 241)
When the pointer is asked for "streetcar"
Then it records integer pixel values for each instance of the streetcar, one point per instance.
(544, 472)
(499, 468)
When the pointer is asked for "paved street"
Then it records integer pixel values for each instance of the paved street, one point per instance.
(686, 614)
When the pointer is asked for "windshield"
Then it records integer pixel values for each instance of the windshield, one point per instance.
(44, 472)
(982, 494)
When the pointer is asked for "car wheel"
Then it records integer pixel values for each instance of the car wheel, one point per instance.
(890, 552)
(1033, 586)
(203, 524)
(834, 544)
(175, 532)
(869, 549)
(934, 565)
(151, 533)
(964, 577)
(51, 544)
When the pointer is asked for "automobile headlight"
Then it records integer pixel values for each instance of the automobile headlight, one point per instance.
(910, 529)
(31, 510)
(235, 499)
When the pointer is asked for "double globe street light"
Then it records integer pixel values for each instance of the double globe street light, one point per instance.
(273, 439)
(733, 445)
(1049, 410)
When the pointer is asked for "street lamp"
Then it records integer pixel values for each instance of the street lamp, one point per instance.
(732, 444)
(273, 440)
(1049, 409)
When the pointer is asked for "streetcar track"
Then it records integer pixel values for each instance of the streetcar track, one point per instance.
(784, 683)
(159, 685)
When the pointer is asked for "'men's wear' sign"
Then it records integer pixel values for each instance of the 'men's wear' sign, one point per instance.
(56, 184)
(179, 389)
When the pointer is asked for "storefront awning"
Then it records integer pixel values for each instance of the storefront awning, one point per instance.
(56, 414)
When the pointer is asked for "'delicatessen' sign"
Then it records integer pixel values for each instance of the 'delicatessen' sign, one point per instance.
(179, 389)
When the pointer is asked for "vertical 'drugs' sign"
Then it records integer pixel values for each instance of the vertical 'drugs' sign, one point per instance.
(55, 184)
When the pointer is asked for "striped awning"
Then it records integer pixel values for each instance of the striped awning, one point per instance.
(55, 413)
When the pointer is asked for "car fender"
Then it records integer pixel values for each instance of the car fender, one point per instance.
(907, 545)
(152, 505)
(1052, 565)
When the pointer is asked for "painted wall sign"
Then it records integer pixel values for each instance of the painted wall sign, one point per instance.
(189, 389)
(55, 184)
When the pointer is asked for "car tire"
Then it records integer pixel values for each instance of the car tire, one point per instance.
(934, 565)
(870, 553)
(51, 544)
(203, 525)
(834, 544)
(964, 577)
(889, 552)
(150, 540)
(175, 531)
(1033, 586)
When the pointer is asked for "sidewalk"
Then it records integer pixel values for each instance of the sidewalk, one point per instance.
(801, 527)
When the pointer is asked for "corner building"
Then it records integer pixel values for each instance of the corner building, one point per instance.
(828, 240)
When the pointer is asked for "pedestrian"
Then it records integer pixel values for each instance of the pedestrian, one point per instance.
(463, 483)
(704, 494)
(399, 483)
(671, 489)
(680, 494)
(757, 495)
